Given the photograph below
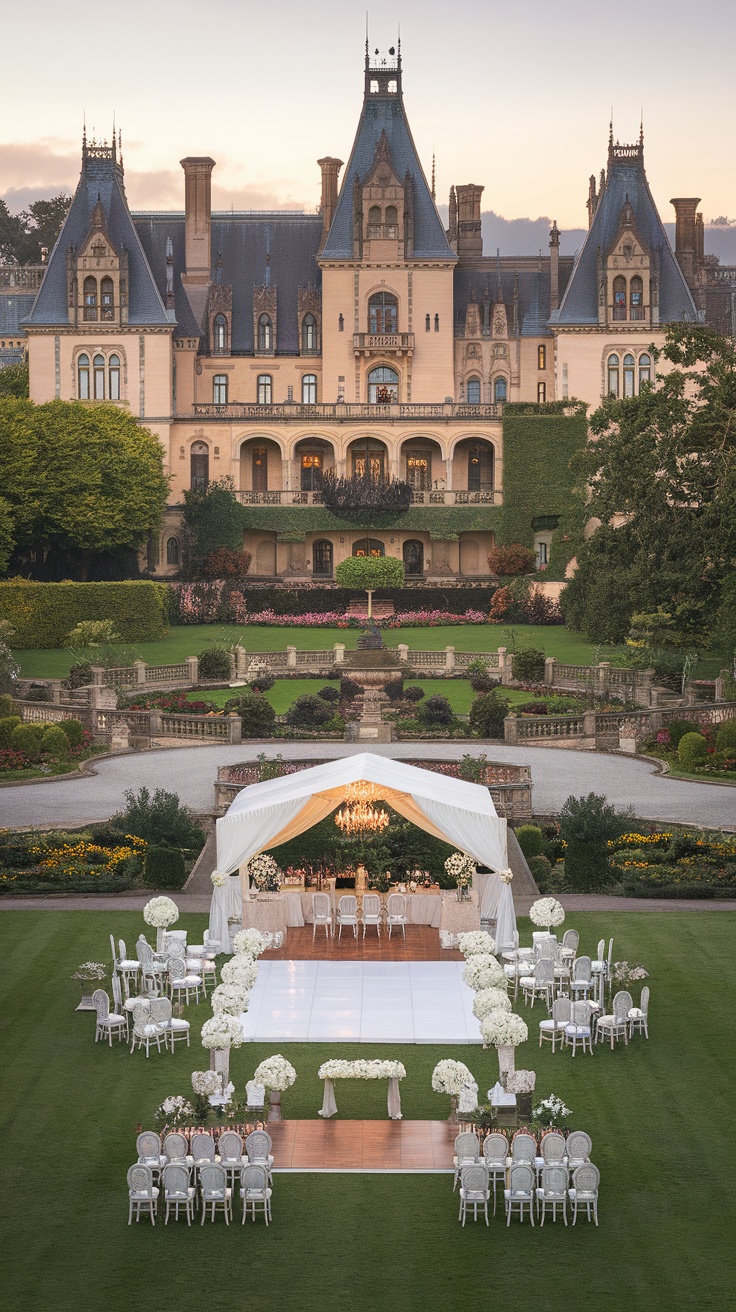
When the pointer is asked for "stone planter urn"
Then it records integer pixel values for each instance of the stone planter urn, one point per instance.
(274, 1105)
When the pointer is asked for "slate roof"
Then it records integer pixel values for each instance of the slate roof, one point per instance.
(626, 178)
(13, 310)
(386, 113)
(257, 250)
(101, 177)
(479, 284)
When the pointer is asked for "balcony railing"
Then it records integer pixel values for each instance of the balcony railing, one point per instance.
(433, 497)
(393, 343)
(345, 412)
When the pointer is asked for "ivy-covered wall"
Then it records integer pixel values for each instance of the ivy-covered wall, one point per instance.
(537, 481)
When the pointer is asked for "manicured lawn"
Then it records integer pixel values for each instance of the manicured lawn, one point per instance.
(189, 639)
(285, 691)
(660, 1115)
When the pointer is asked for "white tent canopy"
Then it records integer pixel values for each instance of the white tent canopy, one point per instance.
(270, 813)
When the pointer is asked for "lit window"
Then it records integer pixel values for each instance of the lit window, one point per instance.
(645, 369)
(83, 377)
(265, 333)
(219, 333)
(98, 369)
(309, 389)
(219, 389)
(613, 377)
(541, 393)
(383, 385)
(619, 298)
(108, 299)
(636, 298)
(541, 357)
(499, 390)
(90, 298)
(172, 551)
(383, 313)
(628, 375)
(473, 391)
(309, 333)
(113, 373)
(265, 389)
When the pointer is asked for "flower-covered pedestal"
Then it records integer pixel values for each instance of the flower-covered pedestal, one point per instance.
(276, 1074)
(274, 1105)
(220, 1063)
(160, 913)
(506, 1062)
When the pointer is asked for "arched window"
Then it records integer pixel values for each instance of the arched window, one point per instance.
(619, 298)
(383, 313)
(480, 467)
(322, 559)
(219, 333)
(369, 457)
(113, 375)
(219, 389)
(628, 375)
(541, 393)
(413, 553)
(427, 323)
(311, 472)
(541, 357)
(98, 369)
(383, 385)
(90, 298)
(374, 221)
(265, 333)
(108, 298)
(309, 389)
(436, 323)
(172, 551)
(83, 378)
(259, 469)
(199, 462)
(636, 298)
(309, 333)
(392, 222)
(613, 375)
(645, 369)
(499, 390)
(419, 469)
(265, 389)
(473, 391)
(369, 547)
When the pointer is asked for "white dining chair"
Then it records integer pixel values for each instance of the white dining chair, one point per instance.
(347, 914)
(371, 912)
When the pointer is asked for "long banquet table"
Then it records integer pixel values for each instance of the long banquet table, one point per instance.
(421, 908)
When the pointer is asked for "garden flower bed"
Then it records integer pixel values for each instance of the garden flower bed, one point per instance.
(675, 863)
(62, 863)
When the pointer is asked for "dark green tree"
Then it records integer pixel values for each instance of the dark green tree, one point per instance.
(41, 224)
(213, 519)
(14, 380)
(587, 824)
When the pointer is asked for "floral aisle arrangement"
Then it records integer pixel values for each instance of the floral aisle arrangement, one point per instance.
(251, 942)
(476, 943)
(265, 873)
(206, 1084)
(483, 972)
(174, 1111)
(461, 867)
(503, 1029)
(505, 875)
(452, 1077)
(551, 1111)
(362, 1070)
(90, 970)
(521, 1082)
(222, 1032)
(229, 998)
(488, 1000)
(624, 972)
(275, 1073)
(241, 971)
(546, 912)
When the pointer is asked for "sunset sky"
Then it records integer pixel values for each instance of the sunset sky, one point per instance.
(516, 97)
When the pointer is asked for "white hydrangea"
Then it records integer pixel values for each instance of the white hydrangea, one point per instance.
(218, 880)
(241, 971)
(222, 1031)
(503, 1029)
(547, 912)
(483, 972)
(476, 943)
(206, 1084)
(362, 1070)
(521, 1081)
(251, 942)
(160, 912)
(461, 868)
(489, 1000)
(275, 1073)
(229, 998)
(450, 1077)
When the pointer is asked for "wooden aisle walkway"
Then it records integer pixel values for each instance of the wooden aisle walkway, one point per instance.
(326, 1146)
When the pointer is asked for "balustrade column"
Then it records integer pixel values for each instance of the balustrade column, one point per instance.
(339, 650)
(193, 670)
(140, 671)
(549, 670)
(403, 651)
(291, 658)
(449, 659)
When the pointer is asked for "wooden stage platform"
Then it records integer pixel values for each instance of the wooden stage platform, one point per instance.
(381, 1146)
(422, 943)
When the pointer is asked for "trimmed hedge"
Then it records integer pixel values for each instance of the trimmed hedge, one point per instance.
(165, 868)
(42, 614)
(319, 599)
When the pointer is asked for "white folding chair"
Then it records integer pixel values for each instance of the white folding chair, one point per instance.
(108, 1022)
(584, 1191)
(214, 1191)
(321, 913)
(552, 1192)
(396, 913)
(495, 1152)
(579, 1030)
(178, 1192)
(553, 1028)
(467, 1153)
(520, 1193)
(347, 913)
(639, 1016)
(255, 1191)
(616, 1025)
(371, 912)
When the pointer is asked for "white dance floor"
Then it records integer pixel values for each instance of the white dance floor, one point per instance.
(362, 1002)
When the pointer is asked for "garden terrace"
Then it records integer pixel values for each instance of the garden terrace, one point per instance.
(603, 729)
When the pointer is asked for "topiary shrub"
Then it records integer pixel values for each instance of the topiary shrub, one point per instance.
(726, 736)
(74, 730)
(55, 743)
(483, 683)
(436, 711)
(530, 840)
(262, 681)
(528, 665)
(692, 750)
(335, 724)
(80, 675)
(413, 694)
(349, 689)
(308, 712)
(38, 692)
(23, 739)
(394, 690)
(487, 714)
(587, 824)
(165, 868)
(6, 705)
(513, 559)
(214, 662)
(226, 563)
(329, 694)
(92, 632)
(256, 713)
(7, 725)
(541, 869)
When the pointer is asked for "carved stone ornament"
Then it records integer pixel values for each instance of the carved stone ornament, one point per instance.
(500, 328)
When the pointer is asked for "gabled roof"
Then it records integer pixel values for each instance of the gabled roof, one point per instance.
(482, 282)
(626, 179)
(101, 180)
(384, 112)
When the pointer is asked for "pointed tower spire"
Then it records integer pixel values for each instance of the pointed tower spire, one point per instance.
(434, 196)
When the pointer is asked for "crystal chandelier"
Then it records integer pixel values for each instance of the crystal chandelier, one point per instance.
(359, 815)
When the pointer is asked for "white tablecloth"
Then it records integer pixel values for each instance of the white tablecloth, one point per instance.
(424, 909)
(459, 917)
(267, 912)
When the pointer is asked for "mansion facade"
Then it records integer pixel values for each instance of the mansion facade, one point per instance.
(275, 348)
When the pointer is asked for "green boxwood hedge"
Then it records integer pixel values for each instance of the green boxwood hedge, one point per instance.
(42, 614)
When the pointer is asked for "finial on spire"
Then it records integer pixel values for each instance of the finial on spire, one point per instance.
(84, 129)
(433, 177)
(641, 130)
(367, 52)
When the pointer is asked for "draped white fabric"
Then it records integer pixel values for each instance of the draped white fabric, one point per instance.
(227, 903)
(266, 814)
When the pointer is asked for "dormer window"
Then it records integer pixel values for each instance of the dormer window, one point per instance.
(374, 221)
(383, 314)
(265, 333)
(619, 298)
(90, 298)
(309, 333)
(392, 222)
(636, 298)
(219, 333)
(108, 298)
(374, 87)
(99, 249)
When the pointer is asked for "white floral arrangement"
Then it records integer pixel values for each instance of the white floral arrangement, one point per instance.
(90, 970)
(265, 873)
(547, 912)
(551, 1111)
(229, 998)
(521, 1081)
(222, 1031)
(624, 973)
(251, 942)
(160, 912)
(461, 868)
(476, 943)
(206, 1084)
(451, 1077)
(489, 1000)
(362, 1070)
(275, 1073)
(241, 971)
(503, 1029)
(218, 880)
(174, 1111)
(505, 875)
(483, 972)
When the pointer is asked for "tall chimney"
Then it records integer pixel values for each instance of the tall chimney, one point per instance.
(198, 217)
(554, 266)
(330, 170)
(685, 238)
(469, 237)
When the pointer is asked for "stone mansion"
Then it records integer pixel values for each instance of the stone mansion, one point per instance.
(364, 338)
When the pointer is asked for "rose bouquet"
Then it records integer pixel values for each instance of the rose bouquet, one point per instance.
(503, 1029)
(222, 1031)
(505, 875)
(251, 942)
(229, 998)
(488, 1000)
(521, 1082)
(241, 971)
(206, 1084)
(450, 1077)
(551, 1111)
(174, 1111)
(484, 972)
(547, 912)
(275, 1073)
(265, 873)
(624, 972)
(476, 943)
(461, 868)
(160, 912)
